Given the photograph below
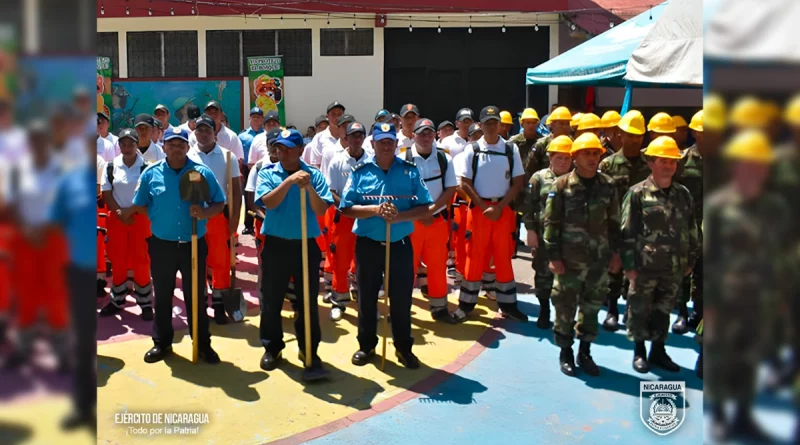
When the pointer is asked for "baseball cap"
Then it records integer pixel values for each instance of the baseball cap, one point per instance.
(213, 104)
(395, 116)
(355, 127)
(490, 113)
(161, 107)
(193, 112)
(207, 121)
(158, 123)
(272, 115)
(345, 119)
(334, 104)
(409, 108)
(444, 124)
(382, 116)
(423, 124)
(273, 134)
(464, 113)
(289, 139)
(144, 119)
(177, 133)
(384, 131)
(103, 114)
(128, 133)
(473, 128)
(256, 110)
(319, 120)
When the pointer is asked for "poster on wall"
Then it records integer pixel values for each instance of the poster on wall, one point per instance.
(132, 97)
(46, 80)
(266, 84)
(104, 86)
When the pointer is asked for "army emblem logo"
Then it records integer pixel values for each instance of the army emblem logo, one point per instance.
(176, 130)
(385, 127)
(285, 133)
(490, 111)
(662, 406)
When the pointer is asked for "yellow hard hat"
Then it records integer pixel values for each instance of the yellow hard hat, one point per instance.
(750, 145)
(505, 118)
(661, 123)
(679, 121)
(716, 118)
(559, 114)
(586, 141)
(663, 147)
(697, 122)
(589, 121)
(632, 122)
(792, 113)
(576, 118)
(610, 119)
(749, 112)
(561, 144)
(529, 113)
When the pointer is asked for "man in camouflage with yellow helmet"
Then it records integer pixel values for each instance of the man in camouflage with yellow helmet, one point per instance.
(559, 121)
(581, 236)
(591, 123)
(539, 187)
(529, 121)
(626, 167)
(659, 247)
(612, 140)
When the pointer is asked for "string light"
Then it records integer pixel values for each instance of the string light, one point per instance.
(172, 11)
(439, 30)
(102, 10)
(410, 28)
(651, 13)
(470, 25)
(611, 24)
(149, 11)
(536, 27)
(259, 16)
(573, 27)
(354, 22)
(127, 11)
(281, 20)
(329, 20)
(305, 20)
(504, 24)
(193, 11)
(383, 19)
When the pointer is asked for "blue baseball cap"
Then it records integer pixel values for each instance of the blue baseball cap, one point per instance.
(289, 139)
(384, 131)
(256, 110)
(177, 133)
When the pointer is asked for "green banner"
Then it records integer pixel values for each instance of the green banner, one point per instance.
(104, 86)
(8, 62)
(266, 84)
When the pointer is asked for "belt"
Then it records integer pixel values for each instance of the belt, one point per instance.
(440, 214)
(492, 200)
(405, 240)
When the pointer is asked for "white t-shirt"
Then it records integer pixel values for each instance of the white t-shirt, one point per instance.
(35, 190)
(493, 179)
(114, 141)
(453, 144)
(125, 180)
(13, 144)
(368, 143)
(258, 148)
(341, 166)
(153, 154)
(101, 168)
(403, 143)
(185, 126)
(226, 139)
(328, 153)
(105, 149)
(313, 151)
(215, 160)
(252, 177)
(429, 168)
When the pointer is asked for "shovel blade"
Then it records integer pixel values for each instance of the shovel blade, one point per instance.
(235, 304)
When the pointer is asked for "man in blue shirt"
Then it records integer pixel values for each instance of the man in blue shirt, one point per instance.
(384, 175)
(278, 191)
(170, 249)
(256, 128)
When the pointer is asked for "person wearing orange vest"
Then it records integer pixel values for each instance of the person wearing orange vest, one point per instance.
(127, 238)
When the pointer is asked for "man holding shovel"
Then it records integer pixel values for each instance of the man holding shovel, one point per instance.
(159, 195)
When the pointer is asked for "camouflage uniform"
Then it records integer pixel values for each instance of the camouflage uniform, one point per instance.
(743, 245)
(539, 186)
(609, 149)
(659, 241)
(525, 147)
(537, 158)
(624, 173)
(581, 228)
(690, 175)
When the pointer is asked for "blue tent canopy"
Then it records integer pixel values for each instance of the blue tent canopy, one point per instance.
(601, 61)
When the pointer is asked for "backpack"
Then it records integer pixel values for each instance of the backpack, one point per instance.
(110, 172)
(508, 154)
(441, 157)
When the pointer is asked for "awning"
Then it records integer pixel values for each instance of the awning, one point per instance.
(601, 61)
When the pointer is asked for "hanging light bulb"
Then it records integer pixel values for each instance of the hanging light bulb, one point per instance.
(305, 20)
(504, 24)
(193, 11)
(259, 16)
(127, 11)
(329, 20)
(651, 13)
(102, 10)
(281, 19)
(611, 24)
(354, 22)
(573, 27)
(383, 19)
(410, 28)
(172, 11)
(149, 11)
(470, 25)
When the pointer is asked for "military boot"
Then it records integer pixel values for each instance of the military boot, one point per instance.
(745, 427)
(611, 323)
(640, 358)
(658, 357)
(543, 322)
(585, 360)
(720, 431)
(681, 325)
(567, 361)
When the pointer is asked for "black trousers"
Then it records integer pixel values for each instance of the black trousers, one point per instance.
(370, 266)
(167, 258)
(282, 259)
(248, 220)
(82, 282)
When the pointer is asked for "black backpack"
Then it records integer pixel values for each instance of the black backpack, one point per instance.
(440, 156)
(508, 154)
(110, 172)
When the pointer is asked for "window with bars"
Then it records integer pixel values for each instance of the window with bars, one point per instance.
(346, 42)
(162, 54)
(108, 46)
(66, 26)
(227, 51)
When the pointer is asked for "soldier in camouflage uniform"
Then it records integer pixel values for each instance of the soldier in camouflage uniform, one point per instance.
(612, 140)
(690, 175)
(525, 140)
(659, 246)
(558, 121)
(538, 189)
(626, 168)
(746, 228)
(581, 235)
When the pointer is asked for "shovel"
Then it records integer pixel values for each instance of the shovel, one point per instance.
(194, 188)
(235, 304)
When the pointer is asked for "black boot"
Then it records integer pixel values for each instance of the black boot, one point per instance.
(543, 322)
(658, 357)
(681, 325)
(720, 432)
(697, 315)
(567, 361)
(640, 358)
(745, 427)
(611, 323)
(698, 366)
(101, 288)
(585, 360)
(220, 317)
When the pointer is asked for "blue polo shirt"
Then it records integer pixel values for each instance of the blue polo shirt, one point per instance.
(159, 191)
(284, 221)
(75, 210)
(246, 137)
(402, 179)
